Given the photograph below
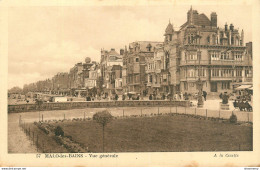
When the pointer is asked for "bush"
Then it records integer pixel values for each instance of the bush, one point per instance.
(233, 119)
(58, 131)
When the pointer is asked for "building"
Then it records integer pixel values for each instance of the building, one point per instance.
(60, 83)
(135, 62)
(90, 79)
(201, 50)
(109, 59)
(116, 79)
(79, 77)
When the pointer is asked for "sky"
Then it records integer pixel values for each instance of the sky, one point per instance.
(43, 41)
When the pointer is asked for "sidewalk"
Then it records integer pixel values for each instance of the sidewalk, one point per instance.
(18, 142)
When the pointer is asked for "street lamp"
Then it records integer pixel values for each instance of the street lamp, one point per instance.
(199, 82)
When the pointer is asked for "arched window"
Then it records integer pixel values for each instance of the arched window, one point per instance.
(208, 39)
(214, 39)
(167, 60)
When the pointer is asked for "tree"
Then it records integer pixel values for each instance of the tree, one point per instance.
(15, 89)
(103, 118)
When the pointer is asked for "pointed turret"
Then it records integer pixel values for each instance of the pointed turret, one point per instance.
(169, 30)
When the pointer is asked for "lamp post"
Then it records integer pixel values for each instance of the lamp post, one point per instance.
(199, 82)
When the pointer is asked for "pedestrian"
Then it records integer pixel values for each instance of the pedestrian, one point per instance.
(205, 95)
(181, 96)
(163, 96)
(176, 96)
(150, 97)
(220, 96)
(116, 97)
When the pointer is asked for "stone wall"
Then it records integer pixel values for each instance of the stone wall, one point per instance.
(96, 104)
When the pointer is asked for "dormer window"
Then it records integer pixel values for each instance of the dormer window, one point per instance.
(149, 47)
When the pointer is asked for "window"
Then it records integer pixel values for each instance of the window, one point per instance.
(202, 72)
(191, 73)
(247, 73)
(185, 86)
(151, 78)
(224, 56)
(239, 73)
(238, 56)
(214, 55)
(192, 56)
(164, 78)
(170, 37)
(208, 39)
(225, 85)
(215, 72)
(136, 59)
(192, 84)
(149, 47)
(191, 39)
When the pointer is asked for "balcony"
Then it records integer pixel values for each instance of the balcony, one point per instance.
(157, 71)
(228, 62)
(248, 79)
(194, 62)
(222, 78)
(193, 79)
(216, 62)
(149, 70)
(149, 84)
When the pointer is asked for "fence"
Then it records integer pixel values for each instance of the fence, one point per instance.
(93, 104)
(223, 114)
(39, 140)
(136, 111)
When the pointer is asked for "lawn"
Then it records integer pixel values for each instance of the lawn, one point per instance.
(164, 133)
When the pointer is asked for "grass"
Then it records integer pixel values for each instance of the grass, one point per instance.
(161, 134)
(46, 143)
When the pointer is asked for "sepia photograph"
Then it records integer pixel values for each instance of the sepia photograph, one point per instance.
(112, 79)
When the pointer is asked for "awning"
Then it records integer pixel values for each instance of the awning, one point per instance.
(243, 87)
(251, 88)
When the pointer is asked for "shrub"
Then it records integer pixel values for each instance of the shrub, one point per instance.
(58, 131)
(233, 119)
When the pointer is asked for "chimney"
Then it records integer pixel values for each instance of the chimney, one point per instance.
(122, 51)
(231, 27)
(226, 27)
(214, 19)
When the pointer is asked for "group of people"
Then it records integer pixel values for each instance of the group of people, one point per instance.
(242, 105)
